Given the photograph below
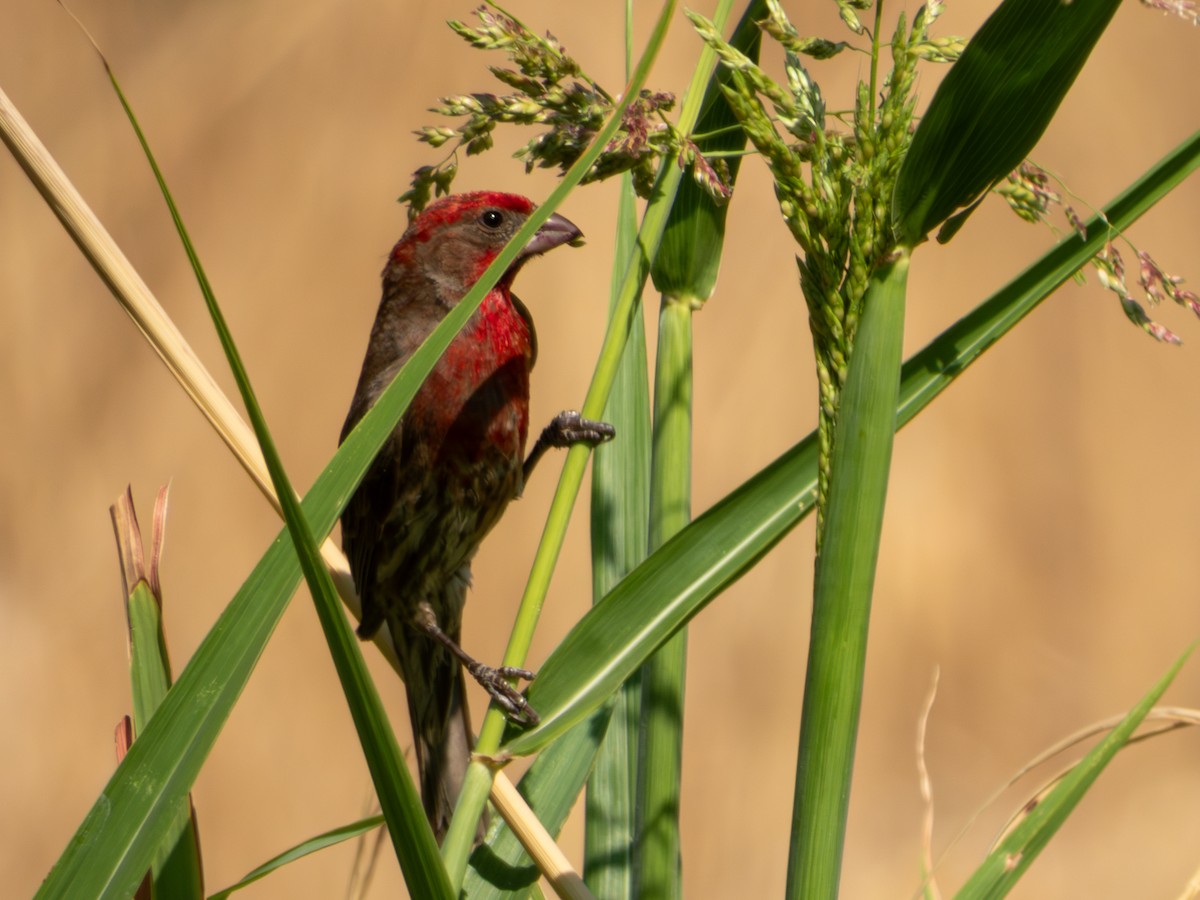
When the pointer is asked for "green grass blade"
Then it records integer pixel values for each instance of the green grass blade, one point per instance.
(992, 107)
(460, 837)
(301, 850)
(1007, 862)
(619, 515)
(114, 843)
(149, 669)
(843, 585)
(679, 579)
(620, 512)
(413, 841)
(620, 476)
(685, 271)
(660, 756)
(176, 870)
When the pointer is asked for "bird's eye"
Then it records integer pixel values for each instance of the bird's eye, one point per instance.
(492, 218)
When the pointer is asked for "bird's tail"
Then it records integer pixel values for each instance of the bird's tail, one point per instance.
(441, 724)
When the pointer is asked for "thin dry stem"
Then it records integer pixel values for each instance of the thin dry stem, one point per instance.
(538, 842)
(1166, 718)
(1191, 890)
(930, 887)
(129, 541)
(158, 537)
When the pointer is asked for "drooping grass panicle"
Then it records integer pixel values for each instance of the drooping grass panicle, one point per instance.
(1110, 268)
(1029, 194)
(1188, 10)
(549, 89)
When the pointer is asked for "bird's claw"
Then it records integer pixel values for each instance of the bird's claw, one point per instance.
(514, 672)
(507, 697)
(569, 428)
(565, 430)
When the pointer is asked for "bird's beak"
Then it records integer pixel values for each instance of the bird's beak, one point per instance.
(555, 232)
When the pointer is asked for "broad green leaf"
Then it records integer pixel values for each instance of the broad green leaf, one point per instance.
(620, 521)
(843, 586)
(993, 106)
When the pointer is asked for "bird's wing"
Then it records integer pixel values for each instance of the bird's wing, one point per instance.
(528, 317)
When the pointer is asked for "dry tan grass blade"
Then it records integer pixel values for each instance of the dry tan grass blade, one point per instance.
(929, 888)
(115, 270)
(551, 862)
(129, 542)
(156, 326)
(1192, 889)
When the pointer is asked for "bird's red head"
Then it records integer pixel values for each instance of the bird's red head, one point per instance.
(448, 210)
(459, 236)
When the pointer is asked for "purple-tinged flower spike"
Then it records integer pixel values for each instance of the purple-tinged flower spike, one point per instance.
(1111, 270)
(550, 90)
(1158, 284)
(1185, 9)
(1137, 315)
(1190, 300)
(1028, 193)
(1076, 222)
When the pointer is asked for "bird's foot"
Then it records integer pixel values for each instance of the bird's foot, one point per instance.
(565, 430)
(496, 682)
(569, 428)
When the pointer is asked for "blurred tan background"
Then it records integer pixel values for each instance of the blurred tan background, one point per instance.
(1040, 544)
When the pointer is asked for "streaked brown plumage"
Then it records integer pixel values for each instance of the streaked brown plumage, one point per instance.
(451, 466)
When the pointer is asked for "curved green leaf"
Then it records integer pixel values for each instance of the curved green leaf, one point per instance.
(301, 850)
(992, 107)
(860, 463)
(679, 579)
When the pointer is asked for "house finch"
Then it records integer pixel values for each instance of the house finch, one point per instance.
(450, 468)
